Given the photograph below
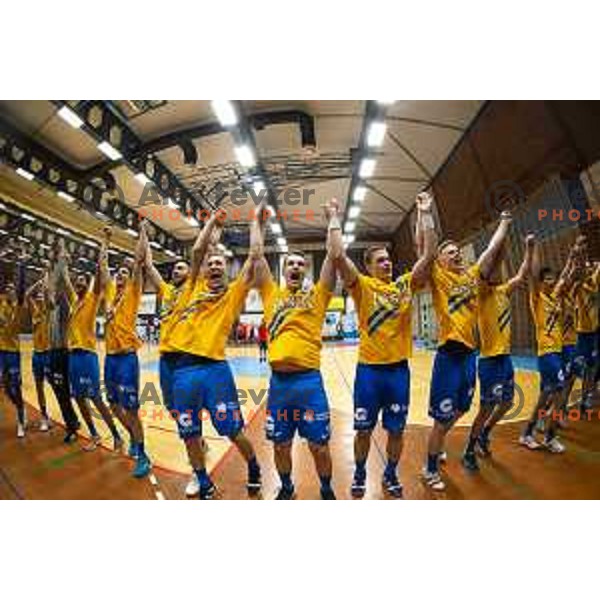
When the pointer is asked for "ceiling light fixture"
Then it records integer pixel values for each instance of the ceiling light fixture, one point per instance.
(367, 167)
(109, 151)
(25, 174)
(245, 156)
(376, 134)
(70, 117)
(225, 112)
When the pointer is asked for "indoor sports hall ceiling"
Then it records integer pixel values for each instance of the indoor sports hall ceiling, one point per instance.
(190, 150)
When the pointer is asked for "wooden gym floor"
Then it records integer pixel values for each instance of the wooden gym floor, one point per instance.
(42, 467)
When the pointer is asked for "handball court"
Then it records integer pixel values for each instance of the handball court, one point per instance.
(42, 467)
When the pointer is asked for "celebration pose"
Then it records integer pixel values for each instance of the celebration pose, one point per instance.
(195, 376)
(455, 288)
(11, 312)
(84, 371)
(297, 401)
(546, 301)
(587, 323)
(496, 373)
(382, 382)
(36, 299)
(122, 297)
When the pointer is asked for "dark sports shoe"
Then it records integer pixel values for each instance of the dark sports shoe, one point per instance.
(483, 446)
(469, 461)
(207, 491)
(359, 485)
(392, 486)
(286, 493)
(328, 494)
(254, 480)
(70, 437)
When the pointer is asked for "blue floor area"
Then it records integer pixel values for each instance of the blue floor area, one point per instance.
(250, 366)
(240, 365)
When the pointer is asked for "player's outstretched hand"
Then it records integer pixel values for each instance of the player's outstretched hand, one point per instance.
(331, 208)
(424, 202)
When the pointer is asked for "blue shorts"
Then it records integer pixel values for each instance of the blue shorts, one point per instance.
(496, 379)
(122, 379)
(452, 384)
(202, 385)
(384, 388)
(165, 376)
(297, 401)
(40, 365)
(84, 374)
(569, 355)
(552, 375)
(587, 352)
(10, 372)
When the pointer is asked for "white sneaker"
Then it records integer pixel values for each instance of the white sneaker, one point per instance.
(20, 430)
(193, 487)
(44, 424)
(529, 442)
(554, 446)
(433, 480)
(443, 457)
(93, 444)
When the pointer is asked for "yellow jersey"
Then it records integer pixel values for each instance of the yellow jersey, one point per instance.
(547, 318)
(455, 303)
(203, 323)
(121, 317)
(384, 319)
(81, 332)
(586, 300)
(295, 321)
(40, 323)
(569, 332)
(494, 318)
(10, 324)
(172, 298)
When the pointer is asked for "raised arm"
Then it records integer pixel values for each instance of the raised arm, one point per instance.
(525, 269)
(150, 270)
(335, 246)
(63, 279)
(141, 249)
(261, 271)
(102, 272)
(487, 260)
(426, 240)
(201, 244)
(571, 268)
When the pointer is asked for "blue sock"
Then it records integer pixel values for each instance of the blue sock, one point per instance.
(390, 469)
(325, 481)
(432, 463)
(203, 478)
(253, 465)
(361, 467)
(139, 448)
(286, 480)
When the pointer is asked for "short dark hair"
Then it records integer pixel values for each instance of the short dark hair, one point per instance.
(445, 244)
(368, 254)
(294, 253)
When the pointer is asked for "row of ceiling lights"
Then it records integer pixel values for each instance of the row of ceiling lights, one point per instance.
(374, 137)
(227, 115)
(73, 119)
